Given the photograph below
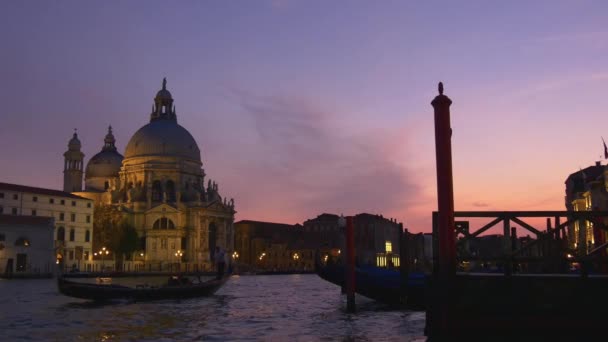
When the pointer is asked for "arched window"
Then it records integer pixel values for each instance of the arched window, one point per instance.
(22, 241)
(157, 191)
(72, 234)
(60, 234)
(87, 236)
(170, 187)
(163, 223)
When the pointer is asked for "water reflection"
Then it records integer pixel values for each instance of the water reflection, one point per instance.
(247, 308)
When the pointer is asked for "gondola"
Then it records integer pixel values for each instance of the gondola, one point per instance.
(384, 285)
(176, 288)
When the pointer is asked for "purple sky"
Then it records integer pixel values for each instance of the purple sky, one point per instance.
(304, 107)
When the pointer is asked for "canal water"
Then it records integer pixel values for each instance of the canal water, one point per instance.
(248, 308)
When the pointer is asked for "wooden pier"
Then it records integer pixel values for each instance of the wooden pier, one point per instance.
(529, 296)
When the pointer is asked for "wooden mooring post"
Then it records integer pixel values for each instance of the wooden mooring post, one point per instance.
(350, 267)
(439, 312)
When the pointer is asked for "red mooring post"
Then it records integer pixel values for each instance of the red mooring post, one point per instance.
(350, 268)
(445, 199)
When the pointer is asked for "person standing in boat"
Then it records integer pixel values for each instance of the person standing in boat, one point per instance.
(220, 261)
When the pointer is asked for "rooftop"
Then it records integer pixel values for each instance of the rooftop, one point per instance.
(40, 191)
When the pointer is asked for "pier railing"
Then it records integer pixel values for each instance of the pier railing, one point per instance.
(548, 250)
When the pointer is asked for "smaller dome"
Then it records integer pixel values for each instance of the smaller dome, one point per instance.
(104, 164)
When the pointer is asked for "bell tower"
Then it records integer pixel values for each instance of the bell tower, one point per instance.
(73, 165)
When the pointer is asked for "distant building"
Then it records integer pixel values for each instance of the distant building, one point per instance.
(272, 246)
(586, 190)
(376, 238)
(73, 218)
(26, 246)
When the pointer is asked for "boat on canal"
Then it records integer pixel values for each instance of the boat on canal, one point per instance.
(177, 287)
(384, 285)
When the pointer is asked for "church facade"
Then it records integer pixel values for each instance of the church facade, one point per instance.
(159, 186)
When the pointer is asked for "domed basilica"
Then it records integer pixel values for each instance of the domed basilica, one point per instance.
(159, 185)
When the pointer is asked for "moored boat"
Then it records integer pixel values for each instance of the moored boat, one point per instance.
(176, 288)
(381, 284)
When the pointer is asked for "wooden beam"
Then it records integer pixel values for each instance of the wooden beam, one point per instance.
(525, 225)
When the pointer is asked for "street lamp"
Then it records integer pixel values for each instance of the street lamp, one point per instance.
(178, 255)
(103, 252)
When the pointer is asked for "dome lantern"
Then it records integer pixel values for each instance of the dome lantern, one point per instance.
(163, 105)
(109, 141)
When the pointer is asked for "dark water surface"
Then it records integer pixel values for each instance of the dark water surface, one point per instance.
(247, 308)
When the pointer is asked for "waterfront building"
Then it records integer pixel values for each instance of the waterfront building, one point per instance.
(376, 238)
(159, 188)
(586, 190)
(26, 246)
(73, 218)
(272, 246)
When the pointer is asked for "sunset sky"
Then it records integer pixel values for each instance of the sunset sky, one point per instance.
(305, 107)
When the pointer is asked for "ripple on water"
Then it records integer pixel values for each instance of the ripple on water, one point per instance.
(247, 308)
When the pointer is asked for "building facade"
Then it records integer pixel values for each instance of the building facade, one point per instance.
(586, 190)
(73, 218)
(26, 246)
(159, 186)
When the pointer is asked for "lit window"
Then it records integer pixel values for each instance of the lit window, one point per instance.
(389, 247)
(22, 241)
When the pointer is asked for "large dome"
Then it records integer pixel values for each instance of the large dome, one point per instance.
(163, 138)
